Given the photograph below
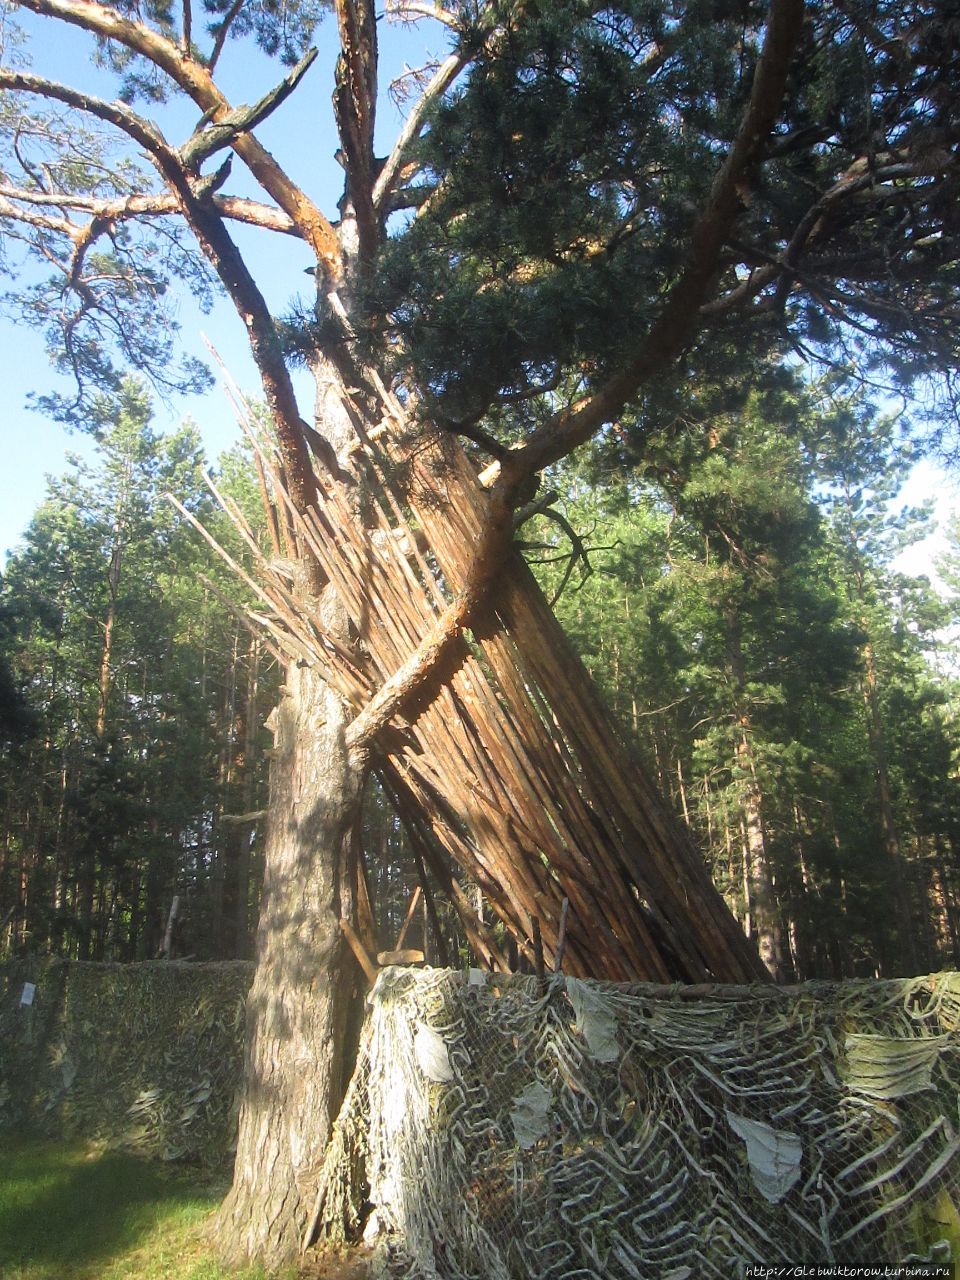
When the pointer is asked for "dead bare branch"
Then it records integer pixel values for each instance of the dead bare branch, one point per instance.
(413, 10)
(123, 208)
(445, 75)
(223, 132)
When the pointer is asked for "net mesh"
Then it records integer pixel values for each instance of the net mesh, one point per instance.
(499, 1127)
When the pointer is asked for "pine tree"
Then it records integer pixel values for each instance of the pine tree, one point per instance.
(705, 177)
(110, 803)
(722, 620)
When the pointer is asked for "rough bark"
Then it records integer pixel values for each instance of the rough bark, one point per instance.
(898, 871)
(298, 1005)
(762, 923)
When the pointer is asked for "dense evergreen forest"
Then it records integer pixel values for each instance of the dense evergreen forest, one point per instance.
(733, 593)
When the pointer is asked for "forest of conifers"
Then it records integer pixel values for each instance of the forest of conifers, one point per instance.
(735, 595)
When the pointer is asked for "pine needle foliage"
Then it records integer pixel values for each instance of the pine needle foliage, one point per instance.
(566, 176)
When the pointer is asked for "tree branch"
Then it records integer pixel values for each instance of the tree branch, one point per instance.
(578, 552)
(354, 105)
(755, 283)
(860, 177)
(142, 131)
(222, 32)
(570, 427)
(196, 81)
(255, 214)
(412, 10)
(45, 222)
(223, 132)
(237, 209)
(187, 29)
(264, 342)
(444, 76)
(535, 508)
(226, 260)
(122, 208)
(878, 183)
(92, 232)
(471, 430)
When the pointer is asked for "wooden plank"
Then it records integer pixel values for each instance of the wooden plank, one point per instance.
(409, 956)
(561, 936)
(538, 965)
(408, 918)
(358, 949)
(440, 942)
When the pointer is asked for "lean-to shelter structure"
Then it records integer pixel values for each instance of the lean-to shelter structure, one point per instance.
(504, 766)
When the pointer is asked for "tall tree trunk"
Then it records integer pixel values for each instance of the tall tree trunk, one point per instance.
(86, 888)
(297, 1050)
(804, 949)
(298, 1005)
(760, 891)
(765, 927)
(105, 674)
(898, 872)
(946, 903)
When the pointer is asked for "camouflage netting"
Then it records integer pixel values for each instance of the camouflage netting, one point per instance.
(141, 1055)
(588, 1130)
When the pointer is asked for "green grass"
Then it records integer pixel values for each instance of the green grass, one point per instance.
(69, 1211)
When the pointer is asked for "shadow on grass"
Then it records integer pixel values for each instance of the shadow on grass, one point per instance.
(67, 1210)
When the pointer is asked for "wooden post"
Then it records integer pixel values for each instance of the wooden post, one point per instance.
(538, 953)
(440, 943)
(167, 949)
(561, 935)
(408, 919)
(359, 950)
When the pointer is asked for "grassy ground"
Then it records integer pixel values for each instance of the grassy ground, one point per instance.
(69, 1211)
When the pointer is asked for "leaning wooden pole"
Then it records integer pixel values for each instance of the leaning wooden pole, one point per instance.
(505, 761)
(647, 849)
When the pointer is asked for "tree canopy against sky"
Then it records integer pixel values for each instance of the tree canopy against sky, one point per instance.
(586, 203)
(134, 727)
(573, 169)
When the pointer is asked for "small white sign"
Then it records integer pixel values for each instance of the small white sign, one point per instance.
(29, 991)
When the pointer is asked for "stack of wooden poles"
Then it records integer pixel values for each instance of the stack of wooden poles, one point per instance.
(509, 768)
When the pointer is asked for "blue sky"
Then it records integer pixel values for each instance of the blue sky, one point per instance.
(302, 137)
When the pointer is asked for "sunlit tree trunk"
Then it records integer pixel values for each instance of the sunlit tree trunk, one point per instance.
(760, 892)
(946, 902)
(898, 871)
(804, 942)
(763, 921)
(297, 1045)
(104, 675)
(298, 1005)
